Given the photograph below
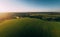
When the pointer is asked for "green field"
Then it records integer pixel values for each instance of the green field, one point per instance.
(29, 27)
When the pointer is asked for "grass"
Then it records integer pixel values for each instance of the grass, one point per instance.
(29, 27)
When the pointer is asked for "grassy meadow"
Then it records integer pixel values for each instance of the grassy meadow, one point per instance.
(31, 25)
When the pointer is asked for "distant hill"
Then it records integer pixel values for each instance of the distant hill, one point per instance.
(32, 13)
(51, 13)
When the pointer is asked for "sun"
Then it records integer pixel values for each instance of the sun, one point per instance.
(4, 15)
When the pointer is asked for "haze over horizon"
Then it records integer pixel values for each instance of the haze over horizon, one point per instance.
(29, 5)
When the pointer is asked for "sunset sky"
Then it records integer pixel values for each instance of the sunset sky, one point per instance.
(29, 5)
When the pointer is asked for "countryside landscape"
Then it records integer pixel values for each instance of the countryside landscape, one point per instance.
(29, 18)
(30, 24)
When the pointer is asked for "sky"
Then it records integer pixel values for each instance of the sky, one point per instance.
(29, 5)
